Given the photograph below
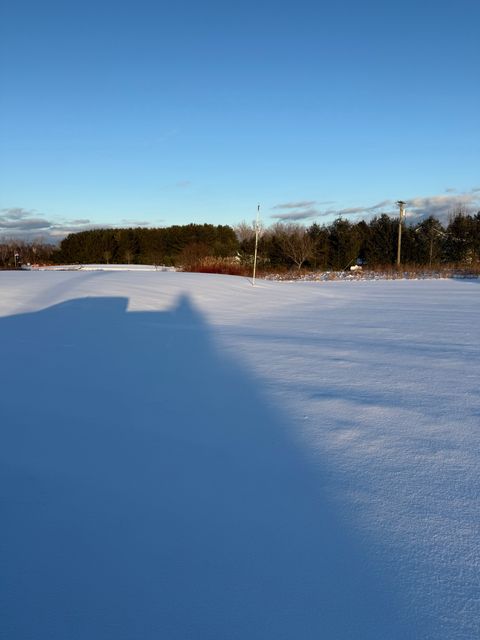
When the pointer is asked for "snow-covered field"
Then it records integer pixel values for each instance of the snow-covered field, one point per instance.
(99, 267)
(185, 456)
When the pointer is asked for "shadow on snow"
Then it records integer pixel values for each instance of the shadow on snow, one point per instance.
(149, 491)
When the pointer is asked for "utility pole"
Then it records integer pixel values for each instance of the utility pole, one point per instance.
(257, 226)
(401, 206)
(431, 249)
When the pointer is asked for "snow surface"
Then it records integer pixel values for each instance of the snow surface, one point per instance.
(187, 456)
(98, 267)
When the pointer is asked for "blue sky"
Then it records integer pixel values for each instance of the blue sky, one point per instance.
(128, 113)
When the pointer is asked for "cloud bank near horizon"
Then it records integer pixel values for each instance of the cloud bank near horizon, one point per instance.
(28, 225)
(23, 224)
(442, 207)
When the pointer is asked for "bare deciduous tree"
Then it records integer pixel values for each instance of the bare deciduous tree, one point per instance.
(295, 242)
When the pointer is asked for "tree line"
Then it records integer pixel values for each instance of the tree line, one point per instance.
(343, 243)
(284, 245)
(14, 252)
(166, 245)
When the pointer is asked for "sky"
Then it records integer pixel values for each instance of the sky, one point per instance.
(145, 113)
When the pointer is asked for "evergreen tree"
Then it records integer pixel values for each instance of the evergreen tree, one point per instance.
(345, 244)
(380, 246)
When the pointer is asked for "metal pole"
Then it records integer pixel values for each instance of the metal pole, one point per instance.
(256, 246)
(401, 205)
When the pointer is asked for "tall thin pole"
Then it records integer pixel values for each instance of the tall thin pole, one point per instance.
(401, 206)
(257, 225)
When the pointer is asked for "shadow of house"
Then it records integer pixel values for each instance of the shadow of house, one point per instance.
(149, 491)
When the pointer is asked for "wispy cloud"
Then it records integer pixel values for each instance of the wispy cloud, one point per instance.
(300, 210)
(351, 210)
(29, 224)
(367, 211)
(297, 216)
(295, 205)
(380, 205)
(303, 210)
(15, 213)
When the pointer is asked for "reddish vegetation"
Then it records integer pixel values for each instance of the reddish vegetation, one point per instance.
(225, 266)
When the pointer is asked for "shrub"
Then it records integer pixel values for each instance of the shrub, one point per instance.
(226, 266)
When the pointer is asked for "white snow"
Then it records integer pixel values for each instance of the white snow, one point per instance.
(99, 267)
(188, 456)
